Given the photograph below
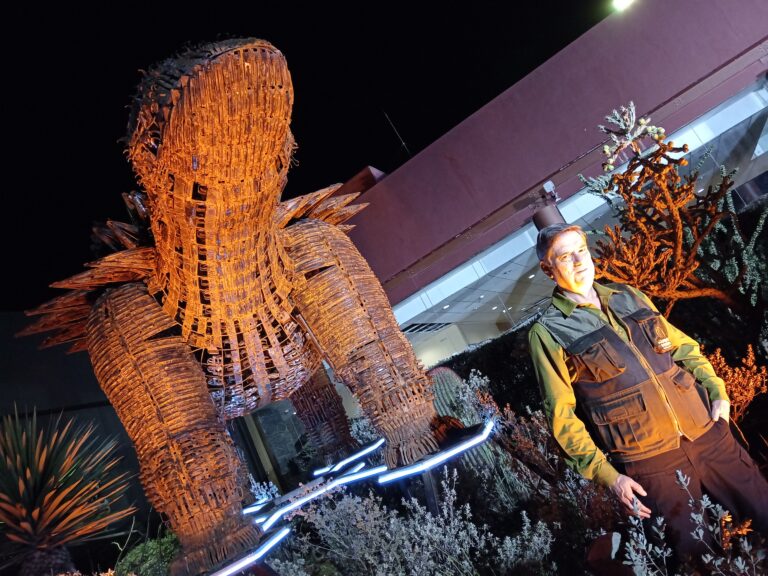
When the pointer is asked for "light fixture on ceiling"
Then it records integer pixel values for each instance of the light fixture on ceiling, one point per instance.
(482, 296)
(531, 276)
(446, 307)
(494, 308)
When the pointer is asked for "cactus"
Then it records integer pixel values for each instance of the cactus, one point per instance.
(453, 397)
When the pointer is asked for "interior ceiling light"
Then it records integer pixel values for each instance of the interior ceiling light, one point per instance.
(494, 308)
(446, 307)
(531, 276)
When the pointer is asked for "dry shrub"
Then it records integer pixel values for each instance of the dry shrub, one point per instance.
(743, 383)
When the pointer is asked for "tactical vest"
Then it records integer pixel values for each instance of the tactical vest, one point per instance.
(635, 400)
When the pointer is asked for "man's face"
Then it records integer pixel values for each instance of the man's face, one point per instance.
(569, 263)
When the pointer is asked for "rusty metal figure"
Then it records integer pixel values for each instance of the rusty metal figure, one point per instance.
(235, 300)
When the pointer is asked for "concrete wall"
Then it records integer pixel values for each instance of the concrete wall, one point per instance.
(477, 332)
(442, 344)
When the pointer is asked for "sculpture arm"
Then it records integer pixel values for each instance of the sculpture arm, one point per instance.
(347, 312)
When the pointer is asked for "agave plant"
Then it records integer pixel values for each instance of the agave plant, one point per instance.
(57, 487)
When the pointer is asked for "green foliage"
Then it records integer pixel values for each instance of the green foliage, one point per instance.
(507, 364)
(642, 555)
(487, 465)
(733, 254)
(625, 134)
(578, 509)
(57, 483)
(152, 557)
(362, 430)
(446, 385)
(262, 491)
(459, 398)
(307, 456)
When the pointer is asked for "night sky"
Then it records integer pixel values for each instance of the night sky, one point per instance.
(67, 87)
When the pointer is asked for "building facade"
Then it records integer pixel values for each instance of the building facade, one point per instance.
(450, 233)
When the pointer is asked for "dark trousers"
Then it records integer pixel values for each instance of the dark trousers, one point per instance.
(716, 464)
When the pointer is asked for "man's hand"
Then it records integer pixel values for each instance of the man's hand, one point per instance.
(625, 488)
(720, 409)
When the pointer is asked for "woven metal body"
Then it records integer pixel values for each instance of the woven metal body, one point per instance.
(320, 409)
(159, 393)
(236, 297)
(352, 322)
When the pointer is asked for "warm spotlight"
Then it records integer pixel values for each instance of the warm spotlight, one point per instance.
(620, 5)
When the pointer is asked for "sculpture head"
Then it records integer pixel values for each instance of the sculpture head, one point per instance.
(215, 115)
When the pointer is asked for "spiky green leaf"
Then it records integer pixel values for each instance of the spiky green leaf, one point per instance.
(57, 483)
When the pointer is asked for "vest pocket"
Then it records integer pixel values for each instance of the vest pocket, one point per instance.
(624, 423)
(690, 401)
(595, 358)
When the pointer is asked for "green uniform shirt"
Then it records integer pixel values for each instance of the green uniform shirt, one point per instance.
(549, 361)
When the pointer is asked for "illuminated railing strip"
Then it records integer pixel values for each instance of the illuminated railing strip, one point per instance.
(357, 467)
(360, 454)
(239, 565)
(346, 479)
(255, 507)
(438, 458)
(357, 473)
(320, 471)
(353, 457)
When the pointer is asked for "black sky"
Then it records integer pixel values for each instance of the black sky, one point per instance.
(70, 73)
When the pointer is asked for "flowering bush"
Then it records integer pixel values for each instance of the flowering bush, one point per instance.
(262, 491)
(743, 382)
(350, 534)
(730, 551)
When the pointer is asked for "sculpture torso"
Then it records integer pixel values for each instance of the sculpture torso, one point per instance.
(213, 185)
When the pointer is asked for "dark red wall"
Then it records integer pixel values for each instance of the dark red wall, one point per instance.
(471, 187)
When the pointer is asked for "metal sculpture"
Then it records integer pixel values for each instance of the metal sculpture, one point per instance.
(235, 299)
